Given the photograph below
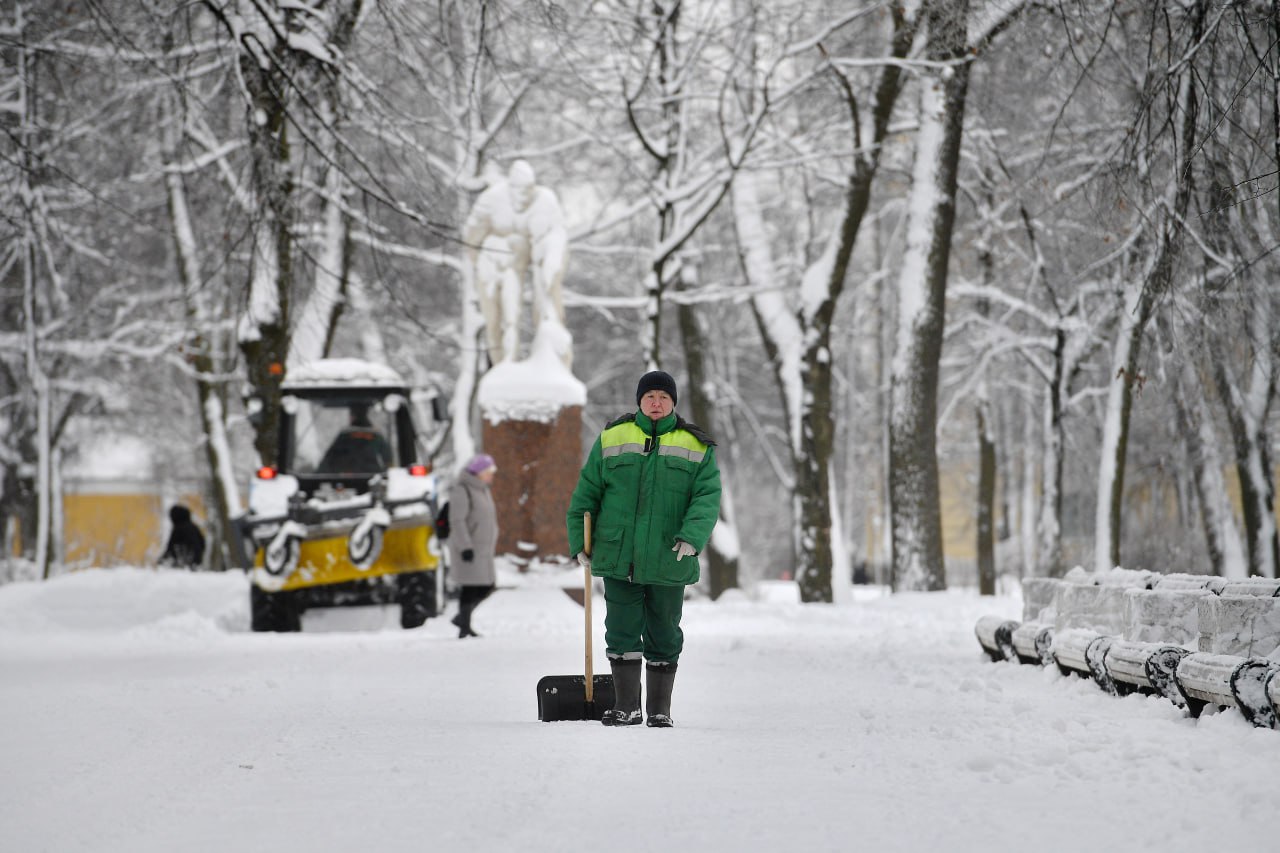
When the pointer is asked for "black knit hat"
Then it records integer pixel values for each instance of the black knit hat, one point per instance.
(656, 380)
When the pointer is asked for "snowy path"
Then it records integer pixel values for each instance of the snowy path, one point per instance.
(136, 714)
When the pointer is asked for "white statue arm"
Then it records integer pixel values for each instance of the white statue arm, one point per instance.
(479, 225)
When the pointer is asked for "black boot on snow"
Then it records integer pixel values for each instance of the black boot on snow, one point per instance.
(657, 703)
(463, 621)
(626, 693)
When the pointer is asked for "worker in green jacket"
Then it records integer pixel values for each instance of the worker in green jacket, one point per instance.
(652, 487)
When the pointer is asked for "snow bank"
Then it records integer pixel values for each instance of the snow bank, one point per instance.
(168, 602)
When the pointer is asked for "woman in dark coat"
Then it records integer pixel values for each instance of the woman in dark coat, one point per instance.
(473, 538)
(185, 549)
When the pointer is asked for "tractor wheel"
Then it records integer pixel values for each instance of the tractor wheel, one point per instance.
(280, 557)
(365, 545)
(273, 611)
(417, 594)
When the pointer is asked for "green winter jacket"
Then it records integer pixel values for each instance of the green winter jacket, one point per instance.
(647, 485)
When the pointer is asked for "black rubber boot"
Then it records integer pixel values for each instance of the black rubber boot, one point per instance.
(463, 621)
(626, 693)
(657, 704)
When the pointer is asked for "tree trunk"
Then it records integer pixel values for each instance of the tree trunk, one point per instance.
(670, 82)
(44, 445)
(1028, 489)
(265, 328)
(986, 502)
(1140, 301)
(1253, 466)
(18, 503)
(1222, 539)
(204, 351)
(779, 327)
(1049, 561)
(225, 498)
(1124, 377)
(804, 372)
(373, 345)
(318, 319)
(913, 474)
(817, 434)
(885, 318)
(985, 412)
(472, 355)
(704, 409)
(41, 388)
(813, 474)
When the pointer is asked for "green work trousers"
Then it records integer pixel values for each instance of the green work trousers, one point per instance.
(643, 618)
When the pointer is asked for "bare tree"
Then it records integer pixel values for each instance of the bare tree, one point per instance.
(913, 463)
(797, 330)
(695, 138)
(208, 345)
(1247, 406)
(283, 52)
(22, 255)
(1195, 421)
(72, 328)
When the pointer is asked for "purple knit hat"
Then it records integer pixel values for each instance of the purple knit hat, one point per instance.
(480, 462)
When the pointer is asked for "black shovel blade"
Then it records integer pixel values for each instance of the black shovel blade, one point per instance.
(564, 697)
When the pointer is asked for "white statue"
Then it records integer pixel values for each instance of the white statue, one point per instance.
(516, 229)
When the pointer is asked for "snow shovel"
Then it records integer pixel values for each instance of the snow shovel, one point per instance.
(577, 697)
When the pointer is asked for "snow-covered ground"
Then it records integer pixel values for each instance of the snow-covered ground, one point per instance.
(138, 713)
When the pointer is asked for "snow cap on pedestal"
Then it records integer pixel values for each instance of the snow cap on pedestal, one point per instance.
(536, 388)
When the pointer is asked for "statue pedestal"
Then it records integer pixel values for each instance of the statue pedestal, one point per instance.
(538, 465)
(532, 414)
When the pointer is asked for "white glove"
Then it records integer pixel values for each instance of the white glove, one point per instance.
(683, 549)
(584, 559)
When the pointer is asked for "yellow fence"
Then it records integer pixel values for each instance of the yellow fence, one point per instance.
(119, 525)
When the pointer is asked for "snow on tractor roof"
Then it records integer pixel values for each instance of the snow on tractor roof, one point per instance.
(343, 373)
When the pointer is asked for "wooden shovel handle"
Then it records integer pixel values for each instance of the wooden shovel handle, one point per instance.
(586, 604)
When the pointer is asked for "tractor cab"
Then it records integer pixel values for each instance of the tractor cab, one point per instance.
(346, 516)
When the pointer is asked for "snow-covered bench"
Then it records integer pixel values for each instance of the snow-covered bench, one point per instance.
(1146, 668)
(1196, 640)
(1251, 685)
(1033, 638)
(1084, 611)
(995, 635)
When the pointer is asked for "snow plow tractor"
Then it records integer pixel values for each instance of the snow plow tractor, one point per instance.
(346, 516)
